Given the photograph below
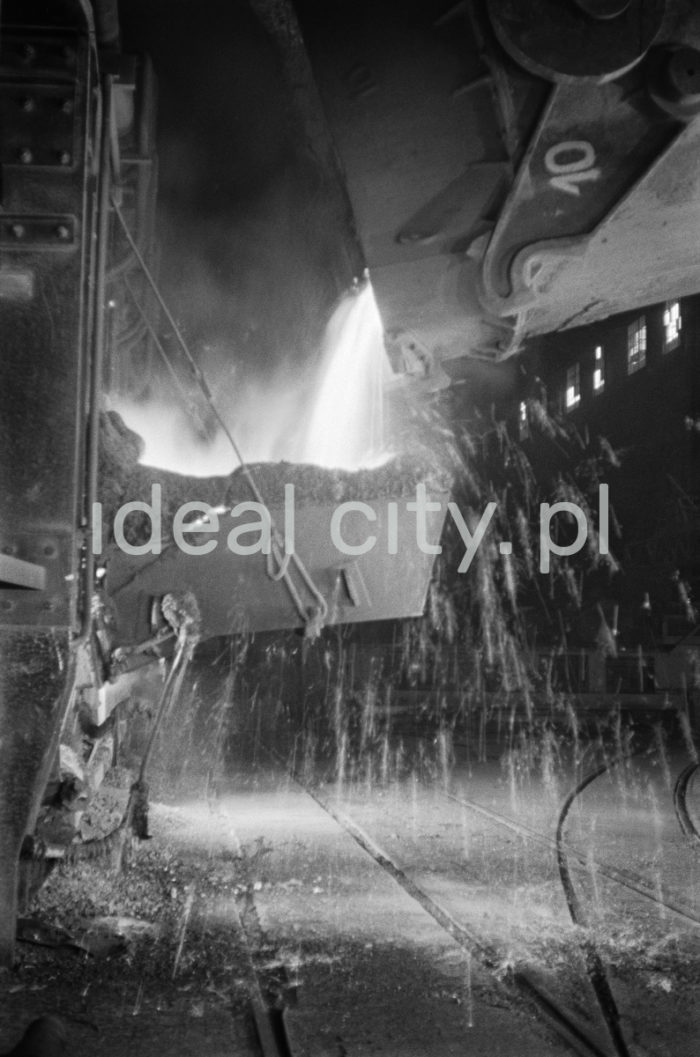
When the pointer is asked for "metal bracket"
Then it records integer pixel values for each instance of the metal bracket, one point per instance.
(354, 584)
(32, 232)
(40, 123)
(17, 573)
(37, 586)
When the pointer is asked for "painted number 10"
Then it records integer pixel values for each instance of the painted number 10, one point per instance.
(570, 163)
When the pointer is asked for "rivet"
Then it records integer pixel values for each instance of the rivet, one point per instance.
(67, 106)
(48, 605)
(49, 550)
(6, 604)
(63, 232)
(28, 53)
(19, 231)
(64, 157)
(26, 156)
(28, 105)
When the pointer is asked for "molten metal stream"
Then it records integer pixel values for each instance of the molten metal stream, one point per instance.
(331, 416)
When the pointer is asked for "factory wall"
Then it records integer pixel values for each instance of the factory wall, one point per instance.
(647, 408)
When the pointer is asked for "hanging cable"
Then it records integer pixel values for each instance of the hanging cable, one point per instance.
(594, 964)
(186, 397)
(315, 617)
(680, 792)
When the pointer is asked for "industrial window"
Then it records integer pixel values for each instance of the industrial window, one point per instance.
(573, 387)
(599, 370)
(672, 325)
(523, 424)
(636, 345)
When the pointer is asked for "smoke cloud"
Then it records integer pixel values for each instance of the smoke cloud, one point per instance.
(254, 241)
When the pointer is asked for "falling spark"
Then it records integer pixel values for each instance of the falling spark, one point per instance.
(138, 1001)
(470, 995)
(446, 755)
(687, 733)
(662, 755)
(187, 910)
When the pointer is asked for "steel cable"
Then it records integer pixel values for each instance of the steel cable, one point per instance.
(316, 616)
(594, 964)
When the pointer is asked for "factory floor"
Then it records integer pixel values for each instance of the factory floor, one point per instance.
(401, 915)
(362, 968)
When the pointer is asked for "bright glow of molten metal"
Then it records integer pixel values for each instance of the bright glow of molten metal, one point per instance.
(330, 417)
(346, 422)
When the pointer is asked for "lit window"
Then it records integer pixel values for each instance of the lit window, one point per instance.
(523, 424)
(599, 370)
(636, 345)
(573, 387)
(672, 325)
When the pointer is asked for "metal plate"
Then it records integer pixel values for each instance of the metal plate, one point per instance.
(17, 573)
(44, 562)
(236, 594)
(21, 232)
(34, 56)
(39, 125)
(592, 144)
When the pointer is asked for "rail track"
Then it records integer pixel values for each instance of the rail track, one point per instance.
(519, 982)
(585, 863)
(568, 856)
(565, 1022)
(579, 1034)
